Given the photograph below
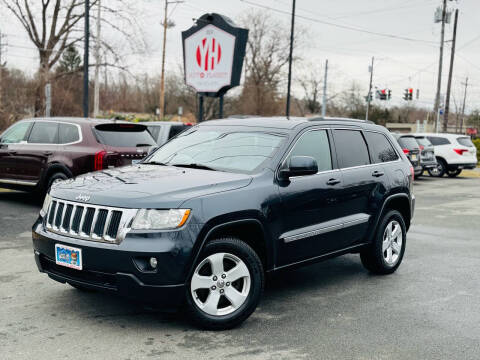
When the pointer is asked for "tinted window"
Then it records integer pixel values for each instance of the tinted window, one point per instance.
(435, 140)
(408, 142)
(123, 135)
(424, 141)
(44, 133)
(314, 144)
(465, 141)
(68, 133)
(351, 148)
(380, 147)
(154, 130)
(175, 130)
(219, 149)
(15, 133)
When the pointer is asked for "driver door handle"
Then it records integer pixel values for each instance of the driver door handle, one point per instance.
(377, 173)
(12, 152)
(47, 153)
(333, 181)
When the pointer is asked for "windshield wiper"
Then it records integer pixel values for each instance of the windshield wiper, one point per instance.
(155, 163)
(195, 166)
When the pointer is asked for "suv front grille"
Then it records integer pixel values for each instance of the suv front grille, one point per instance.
(89, 222)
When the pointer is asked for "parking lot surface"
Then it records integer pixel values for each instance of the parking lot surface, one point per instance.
(428, 309)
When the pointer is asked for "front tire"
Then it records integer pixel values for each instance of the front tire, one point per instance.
(385, 254)
(226, 285)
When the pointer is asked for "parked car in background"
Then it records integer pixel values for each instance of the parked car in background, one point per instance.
(453, 153)
(36, 152)
(411, 148)
(202, 219)
(427, 153)
(162, 131)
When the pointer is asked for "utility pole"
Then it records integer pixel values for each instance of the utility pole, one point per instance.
(440, 62)
(85, 59)
(290, 60)
(463, 106)
(324, 102)
(450, 73)
(96, 92)
(369, 97)
(162, 77)
(1, 69)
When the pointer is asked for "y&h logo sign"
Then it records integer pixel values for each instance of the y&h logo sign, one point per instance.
(209, 59)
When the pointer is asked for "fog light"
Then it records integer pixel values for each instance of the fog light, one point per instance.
(153, 262)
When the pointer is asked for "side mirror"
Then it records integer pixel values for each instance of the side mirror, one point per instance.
(299, 166)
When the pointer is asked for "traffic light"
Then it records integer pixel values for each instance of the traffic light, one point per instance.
(405, 95)
(410, 94)
(368, 98)
(389, 96)
(383, 94)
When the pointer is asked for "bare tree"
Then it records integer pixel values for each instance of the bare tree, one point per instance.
(312, 84)
(265, 62)
(54, 25)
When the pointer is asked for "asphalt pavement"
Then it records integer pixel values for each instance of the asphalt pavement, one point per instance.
(428, 309)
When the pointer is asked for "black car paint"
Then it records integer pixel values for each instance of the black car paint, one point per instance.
(221, 200)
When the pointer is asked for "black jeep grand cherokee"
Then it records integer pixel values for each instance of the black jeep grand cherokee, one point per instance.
(206, 215)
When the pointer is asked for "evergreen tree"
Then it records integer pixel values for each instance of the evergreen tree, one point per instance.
(70, 62)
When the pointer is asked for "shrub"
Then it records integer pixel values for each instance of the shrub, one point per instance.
(477, 144)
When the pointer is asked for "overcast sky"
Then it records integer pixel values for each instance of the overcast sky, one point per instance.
(399, 63)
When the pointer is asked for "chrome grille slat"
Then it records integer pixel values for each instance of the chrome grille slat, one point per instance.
(88, 222)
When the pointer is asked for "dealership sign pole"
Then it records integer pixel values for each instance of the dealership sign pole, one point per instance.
(213, 54)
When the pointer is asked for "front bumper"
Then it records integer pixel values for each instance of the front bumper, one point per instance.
(124, 268)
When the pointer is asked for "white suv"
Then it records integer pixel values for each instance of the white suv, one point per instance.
(453, 152)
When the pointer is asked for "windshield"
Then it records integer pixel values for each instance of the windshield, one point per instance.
(408, 142)
(123, 135)
(219, 150)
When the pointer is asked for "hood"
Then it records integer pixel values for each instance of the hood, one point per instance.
(146, 186)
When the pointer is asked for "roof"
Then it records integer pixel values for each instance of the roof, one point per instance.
(75, 120)
(281, 122)
(454, 136)
(158, 123)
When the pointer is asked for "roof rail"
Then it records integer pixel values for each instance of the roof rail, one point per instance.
(319, 118)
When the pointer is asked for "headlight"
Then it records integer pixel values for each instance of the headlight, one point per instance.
(46, 204)
(151, 219)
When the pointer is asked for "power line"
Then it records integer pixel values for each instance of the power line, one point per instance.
(345, 27)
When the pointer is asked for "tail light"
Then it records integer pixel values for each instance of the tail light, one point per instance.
(460, 151)
(98, 160)
(422, 147)
(412, 172)
(406, 151)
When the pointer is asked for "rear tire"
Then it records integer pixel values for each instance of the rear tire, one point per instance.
(440, 170)
(454, 173)
(226, 285)
(385, 254)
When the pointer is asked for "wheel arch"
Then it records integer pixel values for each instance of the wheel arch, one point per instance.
(52, 169)
(248, 229)
(399, 202)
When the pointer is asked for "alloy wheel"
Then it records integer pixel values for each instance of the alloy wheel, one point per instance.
(220, 284)
(392, 243)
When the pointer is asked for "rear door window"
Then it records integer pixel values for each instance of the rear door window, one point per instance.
(314, 144)
(44, 132)
(123, 135)
(351, 148)
(408, 142)
(465, 141)
(436, 140)
(68, 133)
(380, 148)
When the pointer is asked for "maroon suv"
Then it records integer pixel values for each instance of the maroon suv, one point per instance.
(35, 152)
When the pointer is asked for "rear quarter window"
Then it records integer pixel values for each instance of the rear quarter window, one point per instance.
(465, 141)
(380, 148)
(123, 135)
(68, 133)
